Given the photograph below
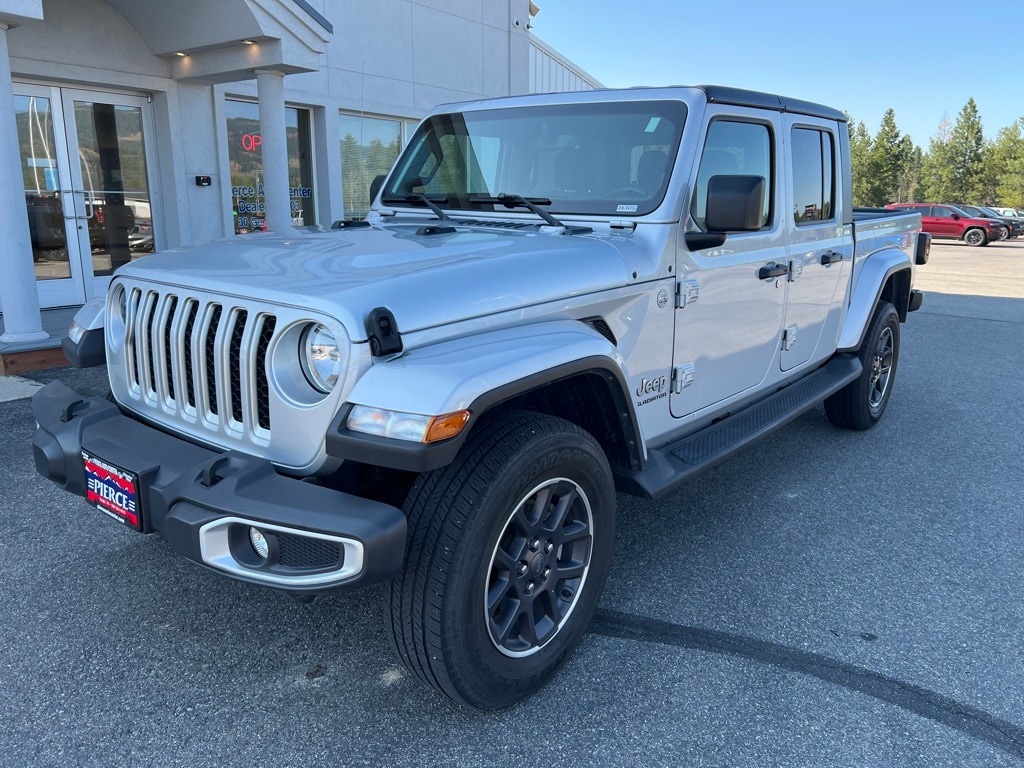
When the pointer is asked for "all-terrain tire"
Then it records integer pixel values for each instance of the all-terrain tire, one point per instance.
(861, 403)
(507, 554)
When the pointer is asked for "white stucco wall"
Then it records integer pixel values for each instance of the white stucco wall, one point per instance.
(394, 58)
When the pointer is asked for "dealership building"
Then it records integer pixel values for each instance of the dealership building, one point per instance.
(128, 126)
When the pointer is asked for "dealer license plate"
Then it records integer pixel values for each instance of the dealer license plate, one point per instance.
(112, 490)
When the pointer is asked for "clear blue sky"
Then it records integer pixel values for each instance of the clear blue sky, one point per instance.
(921, 58)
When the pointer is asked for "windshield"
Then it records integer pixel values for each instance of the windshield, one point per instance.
(611, 158)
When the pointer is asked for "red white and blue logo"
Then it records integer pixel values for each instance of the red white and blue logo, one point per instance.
(111, 489)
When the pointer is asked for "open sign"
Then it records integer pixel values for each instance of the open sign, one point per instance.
(250, 141)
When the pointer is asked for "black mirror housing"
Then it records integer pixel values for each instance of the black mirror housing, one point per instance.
(735, 204)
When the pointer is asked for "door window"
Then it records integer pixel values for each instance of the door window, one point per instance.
(41, 178)
(734, 148)
(813, 176)
(115, 186)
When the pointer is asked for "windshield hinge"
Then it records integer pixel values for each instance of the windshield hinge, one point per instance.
(622, 224)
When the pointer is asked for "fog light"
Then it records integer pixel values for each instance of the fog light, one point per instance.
(259, 543)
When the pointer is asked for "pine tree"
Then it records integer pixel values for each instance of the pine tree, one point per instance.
(860, 151)
(1006, 163)
(966, 145)
(887, 158)
(936, 169)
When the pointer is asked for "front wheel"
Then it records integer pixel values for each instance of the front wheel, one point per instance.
(508, 551)
(975, 237)
(861, 403)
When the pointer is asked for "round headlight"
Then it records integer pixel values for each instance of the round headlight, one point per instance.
(120, 303)
(321, 357)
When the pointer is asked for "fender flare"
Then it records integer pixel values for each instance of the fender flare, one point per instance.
(876, 270)
(476, 373)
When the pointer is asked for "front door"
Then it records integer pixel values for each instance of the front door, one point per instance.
(86, 172)
(728, 328)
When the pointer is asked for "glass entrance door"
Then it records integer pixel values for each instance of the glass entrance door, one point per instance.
(86, 172)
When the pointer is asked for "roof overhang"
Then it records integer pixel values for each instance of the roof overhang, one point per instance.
(14, 13)
(225, 40)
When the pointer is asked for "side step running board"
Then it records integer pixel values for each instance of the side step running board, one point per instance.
(670, 466)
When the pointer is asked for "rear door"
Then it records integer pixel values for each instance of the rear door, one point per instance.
(821, 248)
(728, 319)
(944, 223)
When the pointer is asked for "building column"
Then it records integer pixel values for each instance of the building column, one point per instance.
(18, 297)
(276, 193)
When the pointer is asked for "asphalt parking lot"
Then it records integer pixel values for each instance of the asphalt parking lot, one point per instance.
(823, 599)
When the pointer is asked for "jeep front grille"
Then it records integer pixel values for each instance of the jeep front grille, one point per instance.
(201, 359)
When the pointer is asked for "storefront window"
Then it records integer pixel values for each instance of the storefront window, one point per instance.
(246, 158)
(369, 147)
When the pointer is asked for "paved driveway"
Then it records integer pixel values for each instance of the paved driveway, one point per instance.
(824, 599)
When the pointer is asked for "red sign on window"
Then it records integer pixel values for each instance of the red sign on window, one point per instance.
(251, 141)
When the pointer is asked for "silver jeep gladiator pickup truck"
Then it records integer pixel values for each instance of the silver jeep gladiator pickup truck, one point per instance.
(554, 298)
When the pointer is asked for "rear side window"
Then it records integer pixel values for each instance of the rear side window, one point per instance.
(734, 148)
(814, 189)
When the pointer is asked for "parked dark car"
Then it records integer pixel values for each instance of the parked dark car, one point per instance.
(1014, 227)
(948, 221)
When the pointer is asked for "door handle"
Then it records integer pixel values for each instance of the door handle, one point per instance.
(830, 257)
(772, 270)
(87, 199)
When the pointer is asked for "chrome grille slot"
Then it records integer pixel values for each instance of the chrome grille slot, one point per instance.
(144, 344)
(267, 324)
(199, 362)
(212, 370)
(235, 364)
(168, 351)
(187, 343)
(131, 312)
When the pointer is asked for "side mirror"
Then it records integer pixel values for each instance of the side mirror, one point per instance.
(375, 185)
(956, 217)
(735, 204)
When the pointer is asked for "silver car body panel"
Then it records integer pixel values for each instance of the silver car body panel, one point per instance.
(484, 306)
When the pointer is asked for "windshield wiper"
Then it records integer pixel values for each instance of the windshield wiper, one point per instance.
(518, 201)
(419, 198)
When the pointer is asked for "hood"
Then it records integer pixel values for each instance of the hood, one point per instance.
(425, 280)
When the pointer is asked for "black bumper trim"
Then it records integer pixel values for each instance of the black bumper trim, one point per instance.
(916, 300)
(176, 502)
(90, 351)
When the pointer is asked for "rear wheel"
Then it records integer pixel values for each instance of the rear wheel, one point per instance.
(975, 237)
(861, 403)
(508, 551)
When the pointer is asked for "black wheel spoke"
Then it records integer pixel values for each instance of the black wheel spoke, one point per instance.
(503, 626)
(565, 502)
(540, 503)
(497, 593)
(571, 570)
(573, 532)
(506, 561)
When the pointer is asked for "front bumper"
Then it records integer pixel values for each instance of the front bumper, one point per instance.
(204, 502)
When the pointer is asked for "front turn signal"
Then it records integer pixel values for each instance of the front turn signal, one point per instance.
(446, 426)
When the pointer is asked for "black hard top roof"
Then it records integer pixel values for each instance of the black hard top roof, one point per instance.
(721, 94)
